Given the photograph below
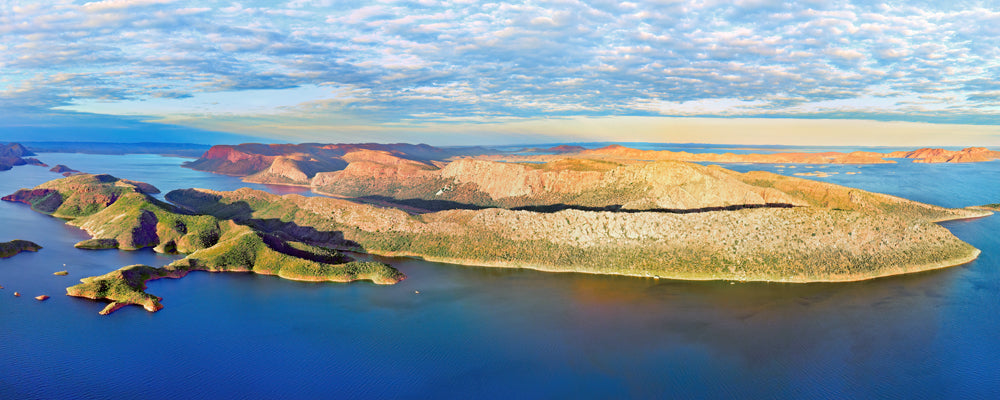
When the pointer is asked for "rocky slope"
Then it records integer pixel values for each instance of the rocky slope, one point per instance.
(118, 213)
(15, 247)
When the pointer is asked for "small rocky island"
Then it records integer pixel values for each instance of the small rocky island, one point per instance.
(15, 247)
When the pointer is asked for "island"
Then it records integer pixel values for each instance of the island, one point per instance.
(317, 165)
(15, 247)
(14, 154)
(120, 213)
(756, 226)
(64, 170)
(658, 219)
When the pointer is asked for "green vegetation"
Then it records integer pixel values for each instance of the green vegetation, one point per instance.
(801, 244)
(574, 164)
(97, 244)
(122, 287)
(119, 214)
(835, 234)
(15, 247)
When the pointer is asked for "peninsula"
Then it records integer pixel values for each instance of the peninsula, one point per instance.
(121, 214)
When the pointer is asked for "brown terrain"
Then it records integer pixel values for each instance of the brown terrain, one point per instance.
(823, 233)
(621, 153)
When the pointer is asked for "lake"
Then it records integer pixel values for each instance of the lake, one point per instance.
(475, 332)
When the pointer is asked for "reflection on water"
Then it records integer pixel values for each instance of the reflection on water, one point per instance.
(497, 333)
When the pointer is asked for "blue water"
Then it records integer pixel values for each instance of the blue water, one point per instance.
(497, 333)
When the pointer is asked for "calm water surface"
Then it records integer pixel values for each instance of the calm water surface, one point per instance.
(496, 333)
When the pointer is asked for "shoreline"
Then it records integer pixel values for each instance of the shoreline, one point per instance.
(471, 263)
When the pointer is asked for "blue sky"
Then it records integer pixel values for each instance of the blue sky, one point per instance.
(465, 72)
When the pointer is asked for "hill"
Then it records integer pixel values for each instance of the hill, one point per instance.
(14, 154)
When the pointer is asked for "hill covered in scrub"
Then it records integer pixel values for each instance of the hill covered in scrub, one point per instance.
(829, 233)
(120, 214)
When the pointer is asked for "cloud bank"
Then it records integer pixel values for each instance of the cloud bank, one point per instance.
(310, 65)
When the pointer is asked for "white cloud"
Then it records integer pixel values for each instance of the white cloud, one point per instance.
(513, 59)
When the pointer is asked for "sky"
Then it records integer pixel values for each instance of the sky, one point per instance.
(466, 72)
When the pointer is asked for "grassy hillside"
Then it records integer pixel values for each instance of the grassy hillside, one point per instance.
(119, 214)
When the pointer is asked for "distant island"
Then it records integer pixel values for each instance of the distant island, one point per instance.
(410, 171)
(15, 247)
(622, 153)
(14, 154)
(119, 213)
